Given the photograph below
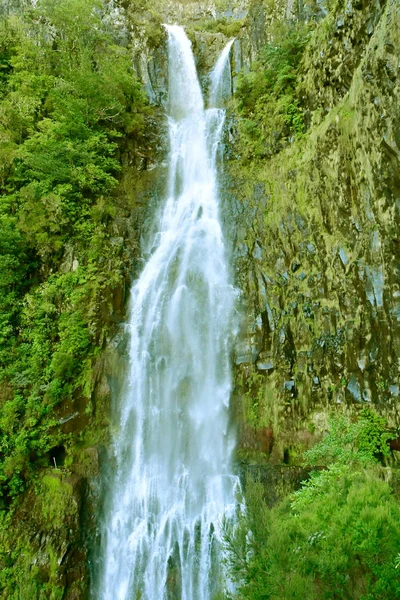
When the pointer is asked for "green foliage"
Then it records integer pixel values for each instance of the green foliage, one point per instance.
(22, 576)
(228, 27)
(145, 20)
(6, 53)
(12, 272)
(56, 501)
(254, 397)
(363, 441)
(337, 537)
(68, 99)
(72, 95)
(267, 104)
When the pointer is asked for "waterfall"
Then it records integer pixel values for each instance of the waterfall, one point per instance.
(220, 80)
(173, 478)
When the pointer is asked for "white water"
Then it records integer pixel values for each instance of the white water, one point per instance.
(173, 479)
(221, 82)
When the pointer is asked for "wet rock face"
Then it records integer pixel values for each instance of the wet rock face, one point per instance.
(337, 51)
(262, 17)
(319, 258)
(209, 25)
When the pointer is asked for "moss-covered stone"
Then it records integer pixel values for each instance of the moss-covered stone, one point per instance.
(318, 260)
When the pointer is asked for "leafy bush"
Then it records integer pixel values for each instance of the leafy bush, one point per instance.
(228, 27)
(267, 105)
(337, 537)
(362, 441)
(68, 97)
(13, 269)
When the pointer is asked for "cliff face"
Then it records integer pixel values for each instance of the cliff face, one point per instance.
(318, 258)
(49, 530)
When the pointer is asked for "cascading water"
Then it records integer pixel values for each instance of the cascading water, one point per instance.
(221, 81)
(173, 479)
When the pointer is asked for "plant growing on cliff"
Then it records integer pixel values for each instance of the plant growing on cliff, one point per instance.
(362, 441)
(268, 107)
(68, 96)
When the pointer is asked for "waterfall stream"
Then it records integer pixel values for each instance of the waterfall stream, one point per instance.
(173, 478)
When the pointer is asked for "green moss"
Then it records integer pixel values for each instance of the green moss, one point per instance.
(313, 226)
(56, 500)
(269, 110)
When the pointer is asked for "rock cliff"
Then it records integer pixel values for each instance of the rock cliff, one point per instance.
(318, 256)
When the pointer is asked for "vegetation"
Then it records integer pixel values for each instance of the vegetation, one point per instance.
(267, 103)
(70, 108)
(228, 27)
(68, 97)
(337, 537)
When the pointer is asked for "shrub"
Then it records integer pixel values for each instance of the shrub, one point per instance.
(269, 110)
(337, 537)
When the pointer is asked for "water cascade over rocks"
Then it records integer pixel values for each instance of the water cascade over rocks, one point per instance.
(173, 478)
